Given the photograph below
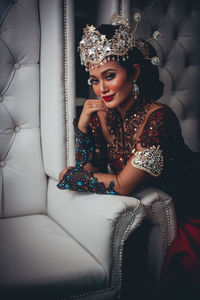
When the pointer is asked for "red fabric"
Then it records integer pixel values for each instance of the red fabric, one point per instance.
(183, 258)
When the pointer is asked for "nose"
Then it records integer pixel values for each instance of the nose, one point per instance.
(103, 87)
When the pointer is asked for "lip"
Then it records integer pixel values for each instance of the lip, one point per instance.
(108, 98)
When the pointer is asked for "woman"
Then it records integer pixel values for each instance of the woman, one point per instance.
(126, 128)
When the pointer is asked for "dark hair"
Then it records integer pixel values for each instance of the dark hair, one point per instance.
(148, 81)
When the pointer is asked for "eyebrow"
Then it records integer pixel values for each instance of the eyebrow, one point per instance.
(107, 70)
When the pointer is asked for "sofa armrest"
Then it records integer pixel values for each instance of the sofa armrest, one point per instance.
(100, 223)
(160, 211)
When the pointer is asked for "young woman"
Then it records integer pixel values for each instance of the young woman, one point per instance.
(128, 130)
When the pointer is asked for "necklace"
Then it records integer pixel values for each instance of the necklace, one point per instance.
(125, 133)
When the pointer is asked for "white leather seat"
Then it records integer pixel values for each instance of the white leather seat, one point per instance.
(45, 256)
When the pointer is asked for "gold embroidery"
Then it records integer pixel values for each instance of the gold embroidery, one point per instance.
(150, 160)
(125, 137)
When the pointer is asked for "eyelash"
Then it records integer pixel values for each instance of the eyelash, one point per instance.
(107, 77)
(110, 76)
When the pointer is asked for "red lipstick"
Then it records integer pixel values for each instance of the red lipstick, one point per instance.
(108, 98)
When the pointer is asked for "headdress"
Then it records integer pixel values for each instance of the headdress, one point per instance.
(95, 48)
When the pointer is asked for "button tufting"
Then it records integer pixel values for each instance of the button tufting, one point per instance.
(16, 66)
(15, 1)
(175, 34)
(2, 163)
(17, 129)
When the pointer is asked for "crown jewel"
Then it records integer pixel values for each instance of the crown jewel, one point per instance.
(95, 48)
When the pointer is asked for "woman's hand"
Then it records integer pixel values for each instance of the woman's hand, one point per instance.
(90, 106)
(63, 173)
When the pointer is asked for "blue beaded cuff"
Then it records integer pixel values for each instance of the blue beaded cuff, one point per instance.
(84, 148)
(84, 181)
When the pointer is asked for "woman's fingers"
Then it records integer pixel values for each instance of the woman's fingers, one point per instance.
(94, 105)
(62, 173)
(90, 106)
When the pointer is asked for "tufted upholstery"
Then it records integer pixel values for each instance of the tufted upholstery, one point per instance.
(179, 52)
(20, 151)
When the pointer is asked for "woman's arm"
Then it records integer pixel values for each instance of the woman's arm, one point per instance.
(144, 164)
(124, 183)
(89, 141)
(140, 167)
(158, 134)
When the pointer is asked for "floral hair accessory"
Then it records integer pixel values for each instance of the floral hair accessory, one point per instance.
(96, 49)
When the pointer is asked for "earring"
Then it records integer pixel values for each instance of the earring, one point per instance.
(135, 90)
(89, 82)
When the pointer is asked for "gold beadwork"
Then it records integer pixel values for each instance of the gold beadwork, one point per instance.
(150, 160)
(127, 137)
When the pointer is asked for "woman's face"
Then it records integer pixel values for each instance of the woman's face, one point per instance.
(111, 84)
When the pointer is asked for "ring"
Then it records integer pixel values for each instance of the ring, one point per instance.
(94, 105)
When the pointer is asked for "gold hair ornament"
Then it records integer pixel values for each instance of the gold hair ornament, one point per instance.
(96, 49)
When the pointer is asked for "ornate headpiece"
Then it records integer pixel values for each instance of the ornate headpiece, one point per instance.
(95, 48)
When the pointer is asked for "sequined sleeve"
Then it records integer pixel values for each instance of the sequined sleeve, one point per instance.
(100, 159)
(90, 147)
(161, 131)
(84, 147)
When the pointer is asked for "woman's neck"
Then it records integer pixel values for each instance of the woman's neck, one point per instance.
(124, 107)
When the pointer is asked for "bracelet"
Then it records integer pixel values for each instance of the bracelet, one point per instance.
(84, 181)
(84, 148)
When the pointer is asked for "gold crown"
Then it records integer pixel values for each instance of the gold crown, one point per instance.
(95, 48)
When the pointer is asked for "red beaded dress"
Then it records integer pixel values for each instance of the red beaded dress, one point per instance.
(180, 178)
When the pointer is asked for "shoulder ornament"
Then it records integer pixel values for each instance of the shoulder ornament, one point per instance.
(150, 160)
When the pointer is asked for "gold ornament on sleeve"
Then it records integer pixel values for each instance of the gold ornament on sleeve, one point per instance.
(96, 49)
(150, 160)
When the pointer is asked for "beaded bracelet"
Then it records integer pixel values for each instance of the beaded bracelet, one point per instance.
(84, 181)
(84, 147)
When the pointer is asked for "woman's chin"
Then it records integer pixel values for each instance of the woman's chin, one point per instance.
(110, 104)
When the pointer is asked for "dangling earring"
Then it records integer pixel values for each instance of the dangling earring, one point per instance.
(89, 82)
(135, 90)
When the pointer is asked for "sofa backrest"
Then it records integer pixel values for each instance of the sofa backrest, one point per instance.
(22, 177)
(179, 51)
(37, 101)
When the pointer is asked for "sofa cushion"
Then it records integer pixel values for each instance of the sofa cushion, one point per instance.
(38, 256)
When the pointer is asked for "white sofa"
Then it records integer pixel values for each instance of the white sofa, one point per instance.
(57, 244)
